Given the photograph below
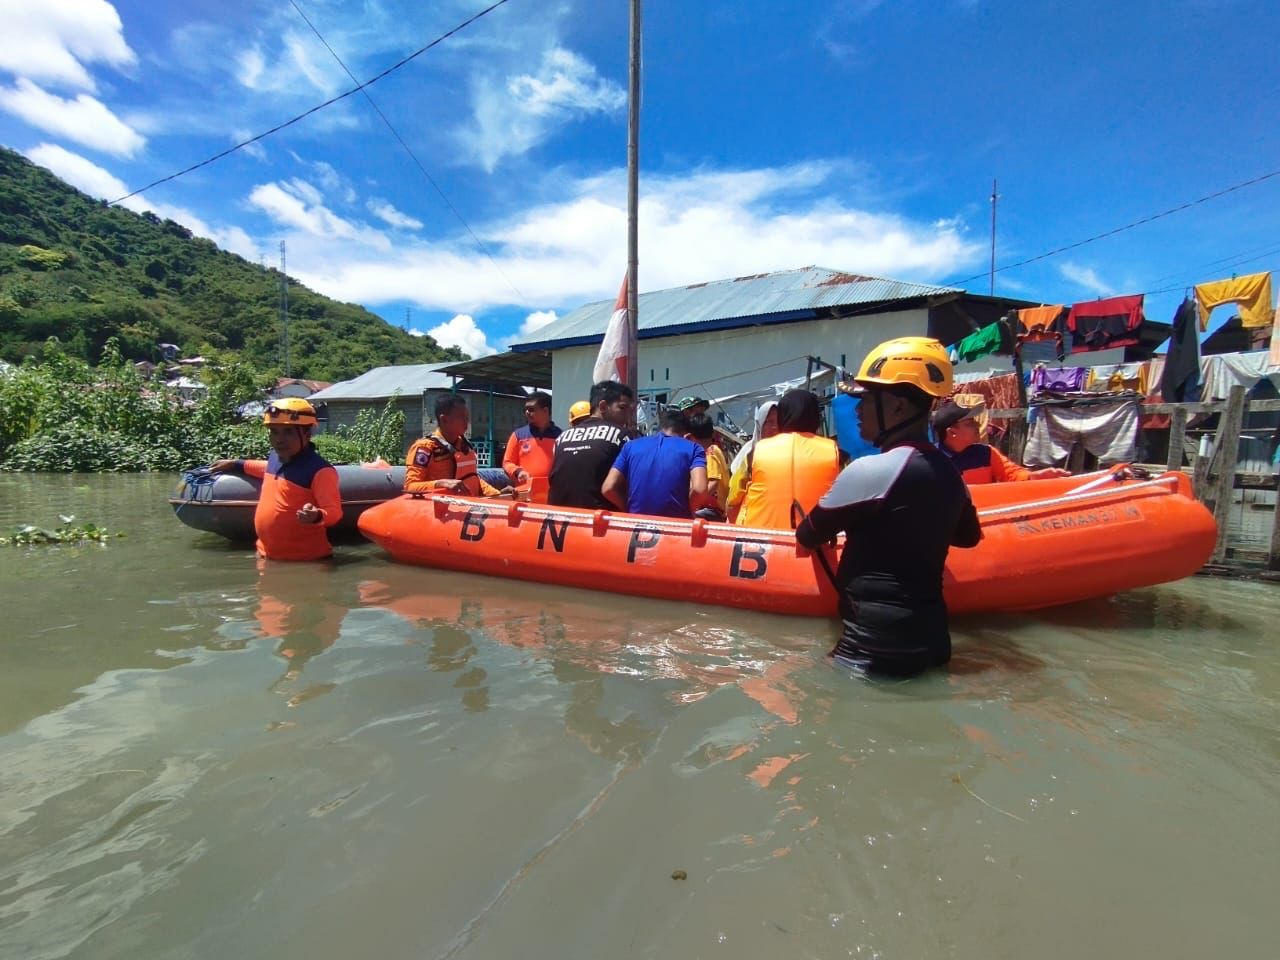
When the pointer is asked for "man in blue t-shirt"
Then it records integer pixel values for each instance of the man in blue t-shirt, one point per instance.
(663, 475)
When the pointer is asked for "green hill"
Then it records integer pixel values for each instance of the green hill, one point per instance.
(74, 268)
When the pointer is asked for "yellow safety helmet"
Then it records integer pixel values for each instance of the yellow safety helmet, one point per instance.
(290, 412)
(579, 410)
(919, 362)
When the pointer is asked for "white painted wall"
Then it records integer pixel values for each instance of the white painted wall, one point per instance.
(713, 364)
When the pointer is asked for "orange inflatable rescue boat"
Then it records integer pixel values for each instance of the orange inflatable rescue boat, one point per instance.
(1045, 542)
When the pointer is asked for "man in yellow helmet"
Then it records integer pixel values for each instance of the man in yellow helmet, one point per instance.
(299, 496)
(902, 510)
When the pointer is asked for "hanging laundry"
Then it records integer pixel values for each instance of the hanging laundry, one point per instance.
(1109, 431)
(1155, 371)
(1042, 320)
(1181, 381)
(1102, 324)
(1058, 379)
(1251, 293)
(1222, 371)
(990, 339)
(1115, 377)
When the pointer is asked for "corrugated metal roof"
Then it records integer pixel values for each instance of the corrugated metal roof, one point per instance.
(411, 379)
(763, 298)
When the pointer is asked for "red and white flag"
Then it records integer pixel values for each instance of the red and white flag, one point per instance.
(618, 345)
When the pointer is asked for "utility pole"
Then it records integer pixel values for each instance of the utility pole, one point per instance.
(994, 198)
(284, 310)
(633, 201)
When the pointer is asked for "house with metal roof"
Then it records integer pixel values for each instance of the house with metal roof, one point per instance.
(731, 336)
(496, 408)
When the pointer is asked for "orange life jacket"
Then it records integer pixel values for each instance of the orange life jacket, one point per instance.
(787, 468)
(434, 458)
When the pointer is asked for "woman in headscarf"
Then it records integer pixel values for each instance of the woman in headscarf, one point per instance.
(740, 470)
(792, 469)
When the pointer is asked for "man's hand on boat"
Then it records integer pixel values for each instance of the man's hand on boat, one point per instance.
(456, 486)
(222, 466)
(1050, 473)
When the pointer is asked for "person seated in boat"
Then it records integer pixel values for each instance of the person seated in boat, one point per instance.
(531, 448)
(792, 468)
(901, 511)
(661, 475)
(959, 432)
(299, 496)
(703, 433)
(586, 450)
(445, 461)
(766, 425)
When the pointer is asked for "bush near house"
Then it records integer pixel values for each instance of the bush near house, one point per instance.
(58, 414)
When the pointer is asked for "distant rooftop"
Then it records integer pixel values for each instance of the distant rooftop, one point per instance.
(381, 383)
(744, 301)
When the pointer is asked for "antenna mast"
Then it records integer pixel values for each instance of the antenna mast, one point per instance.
(994, 199)
(284, 311)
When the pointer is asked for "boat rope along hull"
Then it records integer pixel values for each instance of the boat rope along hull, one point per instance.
(1044, 543)
(224, 503)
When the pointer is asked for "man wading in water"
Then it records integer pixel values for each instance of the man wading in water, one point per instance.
(299, 495)
(901, 509)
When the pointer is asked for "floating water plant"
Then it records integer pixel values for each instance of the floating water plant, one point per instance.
(66, 532)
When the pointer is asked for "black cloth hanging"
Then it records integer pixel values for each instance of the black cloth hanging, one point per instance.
(1181, 380)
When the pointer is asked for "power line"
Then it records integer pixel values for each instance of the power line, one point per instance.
(1128, 226)
(332, 100)
(412, 156)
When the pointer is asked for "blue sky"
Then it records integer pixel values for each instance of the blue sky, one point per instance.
(860, 135)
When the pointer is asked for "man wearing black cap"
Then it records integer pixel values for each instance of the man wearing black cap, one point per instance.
(959, 434)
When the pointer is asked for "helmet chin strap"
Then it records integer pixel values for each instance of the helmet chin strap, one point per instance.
(885, 431)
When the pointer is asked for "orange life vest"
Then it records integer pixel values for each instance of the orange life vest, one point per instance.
(787, 468)
(434, 458)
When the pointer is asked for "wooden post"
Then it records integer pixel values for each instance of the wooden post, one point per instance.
(1226, 449)
(1017, 438)
(1177, 437)
(1273, 552)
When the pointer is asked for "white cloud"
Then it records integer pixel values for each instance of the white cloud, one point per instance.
(297, 204)
(462, 332)
(52, 40)
(387, 213)
(255, 150)
(1087, 278)
(536, 321)
(704, 226)
(513, 116)
(81, 173)
(84, 119)
(85, 175)
(300, 55)
(249, 67)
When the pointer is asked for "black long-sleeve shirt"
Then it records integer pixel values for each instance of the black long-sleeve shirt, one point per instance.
(901, 511)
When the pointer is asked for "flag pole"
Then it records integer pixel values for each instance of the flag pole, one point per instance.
(633, 197)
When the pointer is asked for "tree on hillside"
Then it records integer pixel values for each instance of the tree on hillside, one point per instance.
(74, 268)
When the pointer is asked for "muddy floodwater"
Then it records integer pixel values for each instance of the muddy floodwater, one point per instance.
(202, 758)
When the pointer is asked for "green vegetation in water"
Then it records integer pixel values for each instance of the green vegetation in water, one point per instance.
(67, 532)
(59, 415)
(77, 269)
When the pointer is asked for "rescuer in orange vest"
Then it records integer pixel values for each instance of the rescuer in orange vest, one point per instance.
(793, 467)
(299, 496)
(959, 433)
(445, 461)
